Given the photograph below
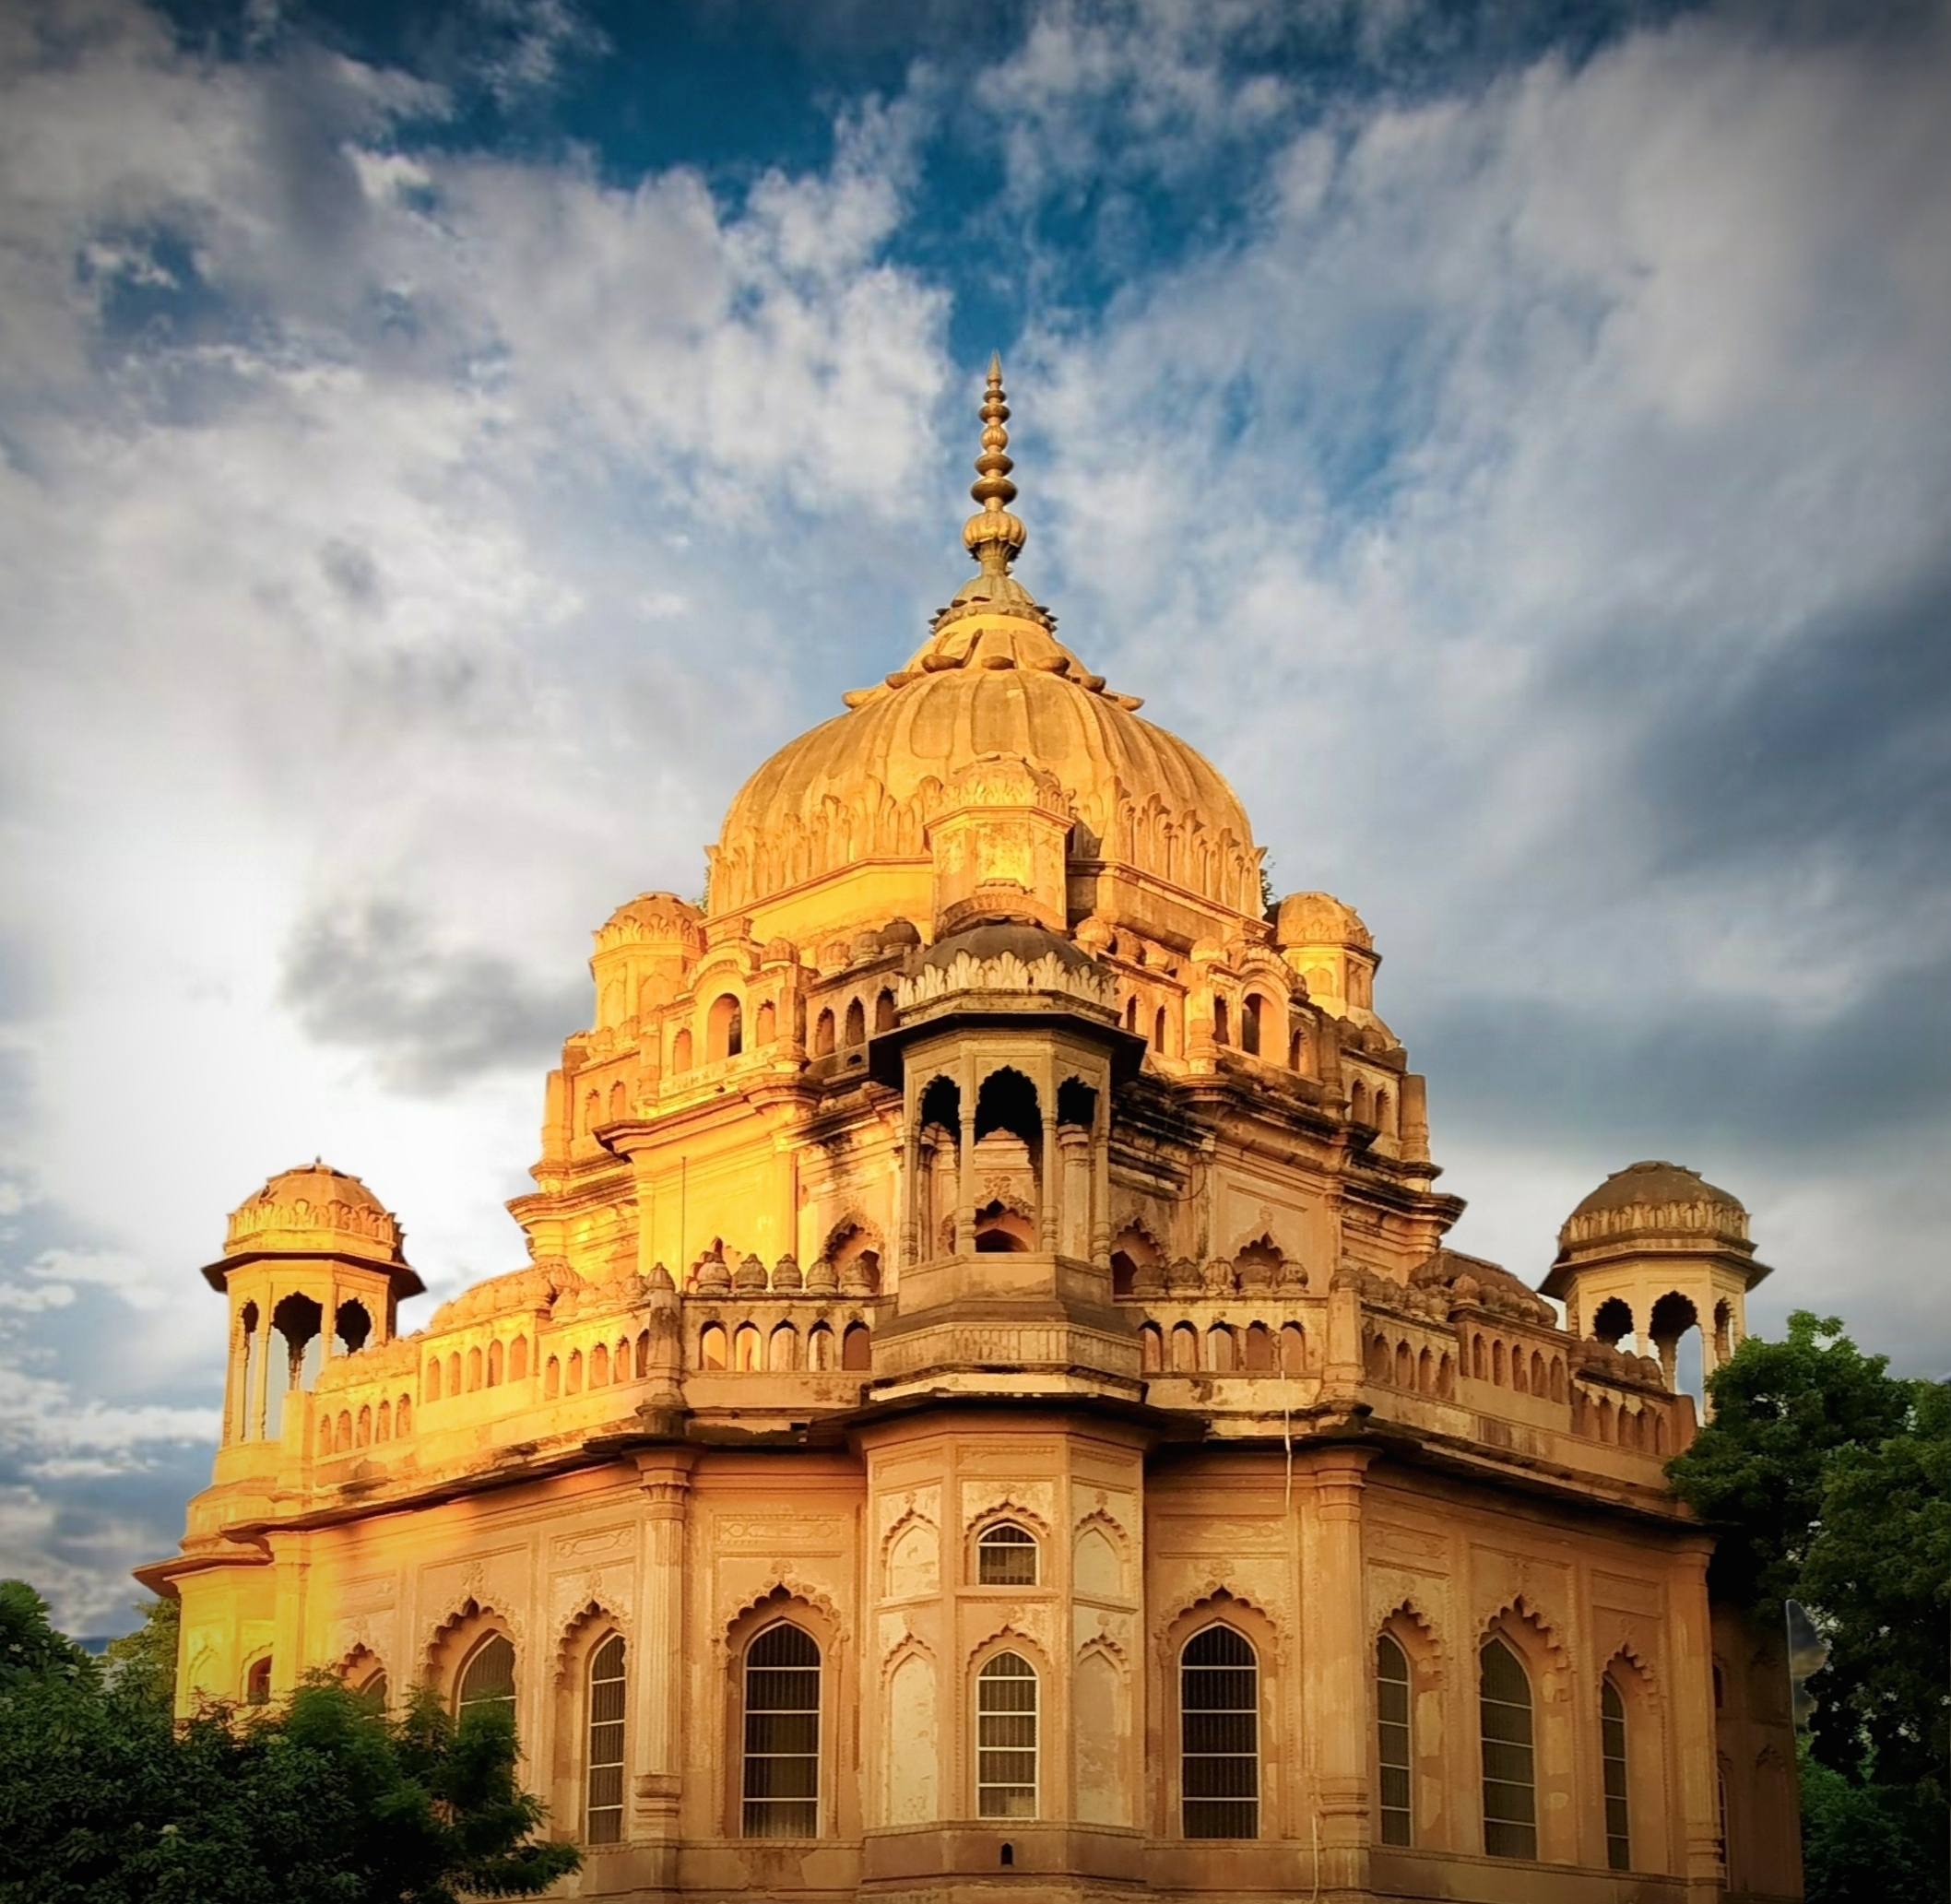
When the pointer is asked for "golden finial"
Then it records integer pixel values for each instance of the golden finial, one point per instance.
(994, 538)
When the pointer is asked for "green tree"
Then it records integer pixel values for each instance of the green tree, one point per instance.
(1826, 1478)
(324, 1800)
(144, 1662)
(1781, 1410)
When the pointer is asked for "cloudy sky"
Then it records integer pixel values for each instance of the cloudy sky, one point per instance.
(442, 449)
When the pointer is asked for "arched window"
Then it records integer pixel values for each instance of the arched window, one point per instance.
(748, 1349)
(855, 1023)
(494, 1365)
(1158, 1030)
(1221, 1031)
(857, 1347)
(823, 1035)
(782, 1734)
(884, 1012)
(724, 1028)
(474, 1368)
(258, 1682)
(603, 1799)
(598, 1366)
(1250, 1024)
(487, 1683)
(1219, 1720)
(1393, 1743)
(1510, 1810)
(768, 1027)
(1006, 1738)
(1006, 1556)
(518, 1359)
(711, 1346)
(375, 1691)
(403, 1417)
(1612, 1739)
(434, 1378)
(680, 1050)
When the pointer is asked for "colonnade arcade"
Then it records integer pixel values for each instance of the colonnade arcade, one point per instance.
(1008, 1146)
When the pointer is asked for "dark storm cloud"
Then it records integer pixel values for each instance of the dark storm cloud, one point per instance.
(1840, 741)
(430, 1017)
(1647, 1071)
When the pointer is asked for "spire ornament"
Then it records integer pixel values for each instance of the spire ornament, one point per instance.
(994, 537)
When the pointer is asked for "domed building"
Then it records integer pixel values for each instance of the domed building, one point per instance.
(988, 1408)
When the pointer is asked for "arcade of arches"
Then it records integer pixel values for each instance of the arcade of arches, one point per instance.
(987, 1405)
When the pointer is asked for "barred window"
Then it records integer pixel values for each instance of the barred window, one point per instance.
(1006, 1556)
(782, 1734)
(1219, 1718)
(1006, 1738)
(1510, 1818)
(603, 1807)
(488, 1679)
(1611, 1734)
(1392, 1742)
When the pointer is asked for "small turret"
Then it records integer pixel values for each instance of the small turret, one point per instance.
(1654, 1251)
(311, 1267)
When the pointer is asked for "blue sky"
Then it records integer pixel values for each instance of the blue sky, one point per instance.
(442, 449)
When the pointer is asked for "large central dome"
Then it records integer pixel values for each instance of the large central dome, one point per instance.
(992, 678)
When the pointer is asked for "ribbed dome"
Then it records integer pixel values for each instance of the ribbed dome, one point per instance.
(988, 681)
(312, 1207)
(1656, 1199)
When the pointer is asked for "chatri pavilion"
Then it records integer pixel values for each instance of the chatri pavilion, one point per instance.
(988, 1409)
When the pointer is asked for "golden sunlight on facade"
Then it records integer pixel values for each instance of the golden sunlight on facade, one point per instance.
(988, 1408)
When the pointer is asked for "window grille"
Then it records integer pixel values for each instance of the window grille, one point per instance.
(1612, 1731)
(1510, 1819)
(1006, 1556)
(782, 1734)
(1219, 1716)
(1006, 1738)
(603, 1810)
(1392, 1742)
(488, 1679)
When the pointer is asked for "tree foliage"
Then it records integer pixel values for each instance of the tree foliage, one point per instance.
(1827, 1478)
(324, 1800)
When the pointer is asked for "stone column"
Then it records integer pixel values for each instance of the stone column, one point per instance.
(1100, 1177)
(1336, 1663)
(912, 1194)
(663, 1474)
(965, 1175)
(256, 1402)
(1699, 1757)
(1074, 1232)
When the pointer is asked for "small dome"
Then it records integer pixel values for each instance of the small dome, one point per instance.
(653, 918)
(1655, 1198)
(312, 1210)
(992, 939)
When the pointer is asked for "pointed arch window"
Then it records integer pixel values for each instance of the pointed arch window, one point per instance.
(1006, 1556)
(782, 1734)
(1612, 1739)
(1219, 1718)
(603, 1791)
(1006, 1738)
(488, 1679)
(1510, 1803)
(1392, 1742)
